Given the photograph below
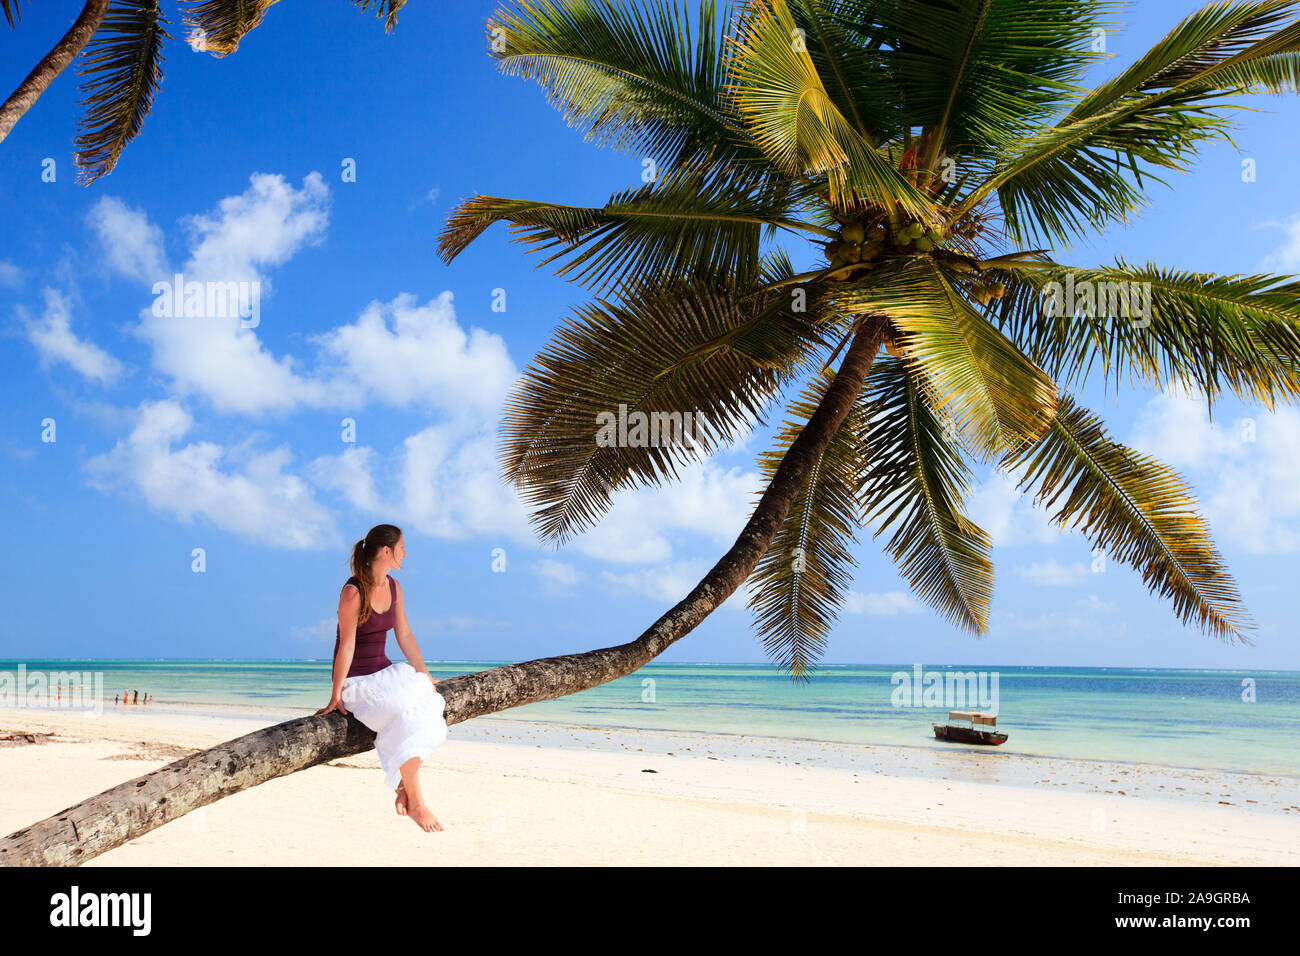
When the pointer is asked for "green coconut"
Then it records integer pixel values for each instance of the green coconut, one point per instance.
(854, 232)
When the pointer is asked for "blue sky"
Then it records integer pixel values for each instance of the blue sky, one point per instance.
(173, 435)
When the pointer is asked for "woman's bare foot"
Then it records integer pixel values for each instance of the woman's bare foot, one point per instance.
(400, 803)
(424, 817)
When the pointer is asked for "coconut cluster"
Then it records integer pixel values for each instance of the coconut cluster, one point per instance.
(986, 292)
(860, 242)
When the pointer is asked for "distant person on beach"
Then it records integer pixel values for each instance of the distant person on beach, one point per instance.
(135, 697)
(398, 701)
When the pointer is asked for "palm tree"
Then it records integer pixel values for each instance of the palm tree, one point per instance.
(935, 151)
(124, 43)
(932, 146)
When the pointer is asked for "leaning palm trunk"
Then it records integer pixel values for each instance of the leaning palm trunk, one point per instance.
(53, 63)
(132, 809)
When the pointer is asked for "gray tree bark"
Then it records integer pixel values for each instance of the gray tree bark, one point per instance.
(51, 65)
(132, 809)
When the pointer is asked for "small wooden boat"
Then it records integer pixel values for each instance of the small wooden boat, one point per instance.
(970, 727)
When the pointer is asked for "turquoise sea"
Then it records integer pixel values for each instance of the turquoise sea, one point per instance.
(1183, 718)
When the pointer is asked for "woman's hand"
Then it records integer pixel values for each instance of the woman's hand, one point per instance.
(435, 683)
(336, 703)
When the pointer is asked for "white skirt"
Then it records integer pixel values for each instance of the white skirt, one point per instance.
(401, 706)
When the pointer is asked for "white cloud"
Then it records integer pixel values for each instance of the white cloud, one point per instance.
(450, 487)
(558, 577)
(257, 499)
(425, 359)
(10, 275)
(131, 244)
(1052, 573)
(215, 356)
(1175, 427)
(1256, 500)
(228, 365)
(888, 604)
(401, 353)
(323, 631)
(560, 572)
(54, 340)
(1096, 605)
(1287, 257)
(668, 582)
(708, 501)
(1244, 469)
(1008, 515)
(351, 475)
(444, 480)
(1089, 615)
(262, 226)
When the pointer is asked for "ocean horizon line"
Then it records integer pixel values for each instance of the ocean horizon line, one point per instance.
(754, 664)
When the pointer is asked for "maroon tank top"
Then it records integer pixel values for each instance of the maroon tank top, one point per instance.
(368, 653)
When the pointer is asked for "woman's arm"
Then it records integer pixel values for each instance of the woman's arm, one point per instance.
(349, 611)
(405, 639)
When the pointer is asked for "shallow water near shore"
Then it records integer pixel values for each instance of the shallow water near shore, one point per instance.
(1176, 718)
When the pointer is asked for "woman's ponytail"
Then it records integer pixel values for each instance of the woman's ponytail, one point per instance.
(363, 553)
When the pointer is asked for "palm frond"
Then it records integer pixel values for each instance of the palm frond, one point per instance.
(1069, 180)
(220, 24)
(796, 122)
(1238, 333)
(1088, 169)
(634, 76)
(994, 394)
(983, 73)
(11, 12)
(680, 228)
(1136, 510)
(1198, 43)
(856, 78)
(122, 73)
(914, 483)
(387, 10)
(1271, 74)
(801, 581)
(607, 363)
(783, 334)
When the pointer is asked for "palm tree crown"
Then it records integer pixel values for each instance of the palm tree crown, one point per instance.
(935, 150)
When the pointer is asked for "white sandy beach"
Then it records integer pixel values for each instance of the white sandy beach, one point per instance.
(516, 793)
